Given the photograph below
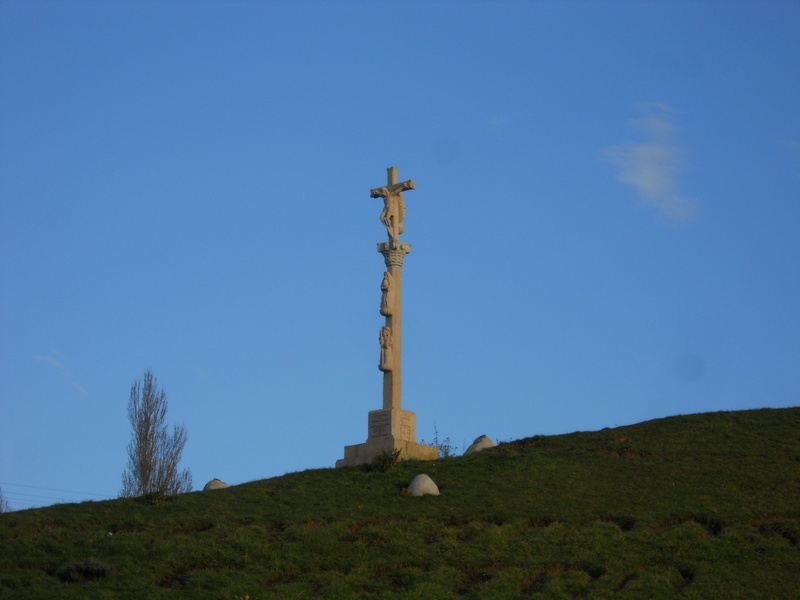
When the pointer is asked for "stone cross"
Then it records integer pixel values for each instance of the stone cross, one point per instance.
(391, 428)
(394, 209)
(394, 251)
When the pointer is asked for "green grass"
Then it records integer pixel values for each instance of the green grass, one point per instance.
(700, 506)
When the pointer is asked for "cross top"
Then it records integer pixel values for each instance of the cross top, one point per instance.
(394, 209)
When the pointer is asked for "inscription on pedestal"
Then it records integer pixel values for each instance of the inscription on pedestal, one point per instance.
(405, 429)
(380, 425)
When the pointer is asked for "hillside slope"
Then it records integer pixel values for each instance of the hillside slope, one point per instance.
(699, 506)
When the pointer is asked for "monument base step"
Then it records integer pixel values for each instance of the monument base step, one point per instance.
(367, 452)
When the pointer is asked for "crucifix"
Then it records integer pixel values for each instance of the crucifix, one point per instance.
(394, 208)
(392, 216)
(391, 428)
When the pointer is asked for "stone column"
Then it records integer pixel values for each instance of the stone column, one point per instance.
(393, 254)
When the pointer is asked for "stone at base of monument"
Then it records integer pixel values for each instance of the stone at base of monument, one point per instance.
(365, 453)
(392, 423)
(389, 430)
(480, 443)
(423, 485)
(215, 484)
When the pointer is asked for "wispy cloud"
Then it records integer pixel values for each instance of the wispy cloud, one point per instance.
(652, 166)
(53, 362)
(58, 365)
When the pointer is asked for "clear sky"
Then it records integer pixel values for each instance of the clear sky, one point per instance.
(605, 230)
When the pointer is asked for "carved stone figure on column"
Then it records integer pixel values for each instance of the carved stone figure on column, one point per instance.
(394, 207)
(385, 339)
(387, 297)
(393, 214)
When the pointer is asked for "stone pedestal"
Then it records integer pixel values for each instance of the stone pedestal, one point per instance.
(389, 430)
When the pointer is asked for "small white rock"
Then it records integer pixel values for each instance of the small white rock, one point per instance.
(215, 484)
(421, 485)
(479, 444)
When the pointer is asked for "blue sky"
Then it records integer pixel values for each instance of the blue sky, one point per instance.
(604, 230)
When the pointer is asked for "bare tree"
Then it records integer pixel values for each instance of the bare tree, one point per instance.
(4, 505)
(153, 454)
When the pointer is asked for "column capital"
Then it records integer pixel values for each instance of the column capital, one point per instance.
(394, 252)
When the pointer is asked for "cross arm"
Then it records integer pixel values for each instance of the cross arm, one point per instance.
(383, 192)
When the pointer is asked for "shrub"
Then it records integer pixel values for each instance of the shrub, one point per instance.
(76, 571)
(384, 461)
(445, 448)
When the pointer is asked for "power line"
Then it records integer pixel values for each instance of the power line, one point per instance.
(4, 483)
(22, 500)
(18, 506)
(12, 495)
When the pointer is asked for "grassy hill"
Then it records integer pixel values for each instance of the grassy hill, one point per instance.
(700, 506)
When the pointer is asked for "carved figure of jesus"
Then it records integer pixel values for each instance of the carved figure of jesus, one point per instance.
(386, 294)
(394, 207)
(393, 214)
(387, 358)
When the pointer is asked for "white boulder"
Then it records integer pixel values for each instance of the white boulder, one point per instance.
(215, 484)
(479, 444)
(421, 485)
